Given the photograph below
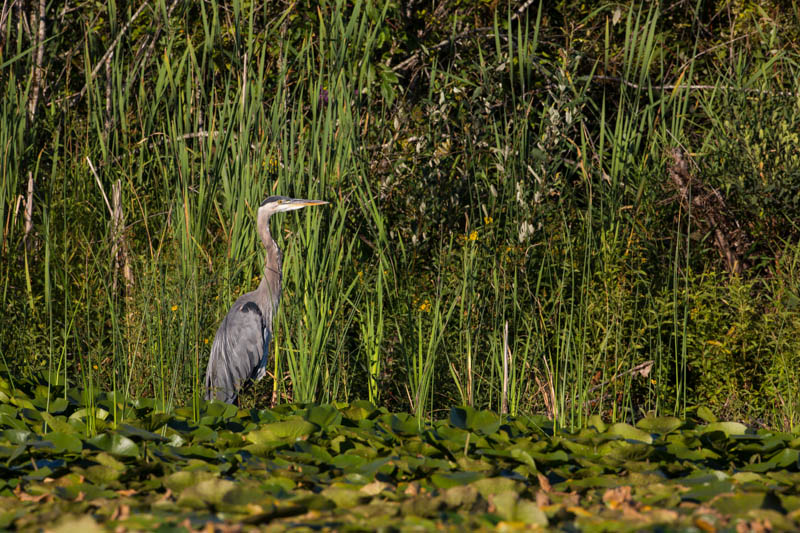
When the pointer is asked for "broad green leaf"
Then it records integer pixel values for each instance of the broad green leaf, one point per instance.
(209, 491)
(11, 421)
(787, 458)
(57, 423)
(463, 496)
(358, 410)
(116, 444)
(739, 503)
(344, 496)
(705, 413)
(137, 433)
(287, 431)
(203, 434)
(523, 457)
(347, 461)
(659, 424)
(109, 461)
(199, 452)
(58, 406)
(528, 512)
(71, 524)
(403, 424)
(705, 491)
(65, 442)
(597, 422)
(178, 481)
(453, 479)
(323, 415)
(482, 422)
(496, 485)
(220, 409)
(17, 436)
(729, 428)
(790, 502)
(629, 432)
(102, 474)
(505, 503)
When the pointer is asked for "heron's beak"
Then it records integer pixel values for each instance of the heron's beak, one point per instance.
(309, 202)
(298, 203)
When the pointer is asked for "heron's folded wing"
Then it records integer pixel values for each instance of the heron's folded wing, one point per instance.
(236, 353)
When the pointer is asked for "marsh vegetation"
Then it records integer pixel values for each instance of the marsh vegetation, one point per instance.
(569, 209)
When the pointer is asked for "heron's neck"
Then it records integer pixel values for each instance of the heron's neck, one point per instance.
(269, 290)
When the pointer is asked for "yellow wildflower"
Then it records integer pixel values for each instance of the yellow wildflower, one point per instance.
(425, 306)
(473, 236)
(488, 220)
(174, 307)
(205, 341)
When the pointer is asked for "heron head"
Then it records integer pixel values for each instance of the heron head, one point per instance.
(278, 204)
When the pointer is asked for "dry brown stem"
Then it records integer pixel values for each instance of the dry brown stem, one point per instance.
(708, 213)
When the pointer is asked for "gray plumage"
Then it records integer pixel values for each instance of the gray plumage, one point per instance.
(240, 352)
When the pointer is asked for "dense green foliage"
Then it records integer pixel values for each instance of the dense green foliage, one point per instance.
(126, 466)
(576, 209)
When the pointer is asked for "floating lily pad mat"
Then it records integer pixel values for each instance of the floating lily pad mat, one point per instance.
(123, 465)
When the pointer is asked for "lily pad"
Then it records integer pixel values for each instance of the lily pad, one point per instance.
(629, 432)
(285, 431)
(116, 444)
(660, 424)
(729, 428)
(482, 422)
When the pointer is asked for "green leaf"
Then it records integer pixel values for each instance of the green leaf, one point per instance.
(138, 433)
(359, 410)
(661, 424)
(454, 479)
(220, 410)
(403, 424)
(83, 413)
(704, 413)
(729, 428)
(58, 406)
(482, 422)
(460, 496)
(528, 512)
(629, 432)
(348, 462)
(739, 503)
(57, 423)
(505, 503)
(286, 431)
(496, 485)
(323, 415)
(344, 496)
(706, 491)
(523, 457)
(210, 491)
(65, 442)
(596, 421)
(116, 444)
(109, 461)
(102, 474)
(17, 436)
(178, 481)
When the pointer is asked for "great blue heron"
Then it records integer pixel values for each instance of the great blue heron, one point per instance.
(241, 347)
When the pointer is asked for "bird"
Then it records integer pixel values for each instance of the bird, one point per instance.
(240, 352)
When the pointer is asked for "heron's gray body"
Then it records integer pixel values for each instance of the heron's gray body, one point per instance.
(240, 352)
